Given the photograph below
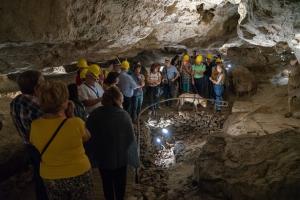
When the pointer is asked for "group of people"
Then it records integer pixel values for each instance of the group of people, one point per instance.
(59, 122)
(205, 77)
(90, 122)
(181, 74)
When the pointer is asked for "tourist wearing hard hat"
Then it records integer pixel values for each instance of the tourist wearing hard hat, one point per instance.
(101, 73)
(82, 69)
(214, 72)
(198, 70)
(186, 73)
(219, 86)
(90, 92)
(127, 86)
(209, 64)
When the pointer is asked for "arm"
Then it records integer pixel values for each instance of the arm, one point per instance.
(176, 76)
(193, 74)
(133, 84)
(157, 82)
(85, 99)
(219, 79)
(149, 81)
(70, 109)
(91, 102)
(86, 136)
(142, 81)
(190, 71)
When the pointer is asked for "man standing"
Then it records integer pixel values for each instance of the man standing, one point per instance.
(127, 86)
(170, 75)
(209, 64)
(90, 92)
(198, 80)
(24, 109)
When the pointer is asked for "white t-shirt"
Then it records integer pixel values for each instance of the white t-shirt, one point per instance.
(154, 77)
(87, 92)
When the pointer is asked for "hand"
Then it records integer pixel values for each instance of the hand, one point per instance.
(193, 82)
(70, 109)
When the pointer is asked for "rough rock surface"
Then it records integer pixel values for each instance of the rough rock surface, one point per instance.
(265, 167)
(267, 22)
(52, 33)
(294, 88)
(56, 32)
(242, 80)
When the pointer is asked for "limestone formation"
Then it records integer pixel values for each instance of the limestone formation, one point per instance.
(265, 167)
(242, 80)
(294, 86)
(35, 35)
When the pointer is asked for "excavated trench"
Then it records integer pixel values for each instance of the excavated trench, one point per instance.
(170, 143)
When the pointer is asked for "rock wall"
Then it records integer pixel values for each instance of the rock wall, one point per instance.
(35, 34)
(265, 167)
(38, 34)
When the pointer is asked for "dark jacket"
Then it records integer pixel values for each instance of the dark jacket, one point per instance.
(112, 133)
(79, 109)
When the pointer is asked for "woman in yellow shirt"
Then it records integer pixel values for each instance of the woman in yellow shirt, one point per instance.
(64, 166)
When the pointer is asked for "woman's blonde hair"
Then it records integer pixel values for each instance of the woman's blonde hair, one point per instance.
(52, 96)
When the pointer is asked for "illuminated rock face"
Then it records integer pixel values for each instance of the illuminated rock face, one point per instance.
(52, 33)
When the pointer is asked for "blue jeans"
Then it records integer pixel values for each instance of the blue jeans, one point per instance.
(219, 89)
(127, 104)
(137, 102)
(169, 92)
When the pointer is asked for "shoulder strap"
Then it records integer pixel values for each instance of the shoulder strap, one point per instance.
(53, 136)
(95, 91)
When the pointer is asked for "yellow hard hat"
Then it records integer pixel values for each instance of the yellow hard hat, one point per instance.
(125, 65)
(95, 70)
(83, 72)
(218, 60)
(198, 59)
(82, 63)
(186, 57)
(105, 72)
(209, 56)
